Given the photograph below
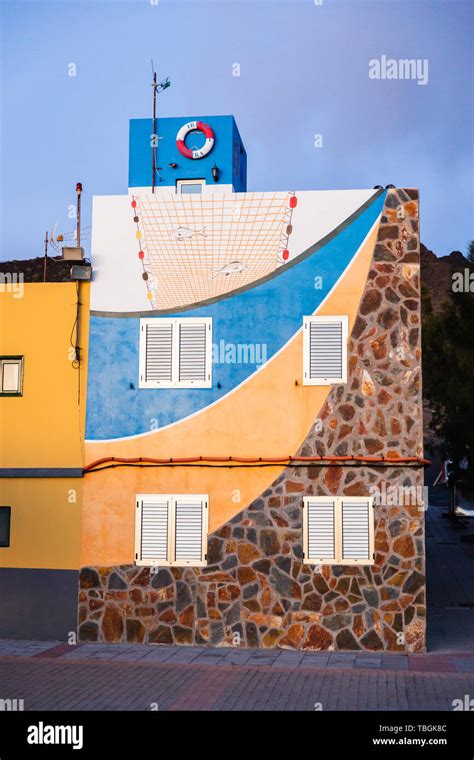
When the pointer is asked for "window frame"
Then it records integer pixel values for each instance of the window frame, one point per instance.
(20, 360)
(307, 380)
(174, 382)
(183, 182)
(338, 547)
(171, 547)
(8, 512)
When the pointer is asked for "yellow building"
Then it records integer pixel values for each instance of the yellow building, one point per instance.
(43, 365)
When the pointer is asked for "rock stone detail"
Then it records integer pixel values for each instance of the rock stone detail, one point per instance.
(257, 590)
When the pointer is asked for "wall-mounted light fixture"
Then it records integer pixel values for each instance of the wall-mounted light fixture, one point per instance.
(215, 173)
(81, 272)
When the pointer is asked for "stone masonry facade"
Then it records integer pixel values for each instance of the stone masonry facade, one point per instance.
(257, 590)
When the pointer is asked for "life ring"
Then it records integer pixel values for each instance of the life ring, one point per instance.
(193, 126)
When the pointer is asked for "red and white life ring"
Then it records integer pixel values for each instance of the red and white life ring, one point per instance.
(193, 126)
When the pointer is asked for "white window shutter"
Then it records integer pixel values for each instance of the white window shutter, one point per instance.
(158, 339)
(176, 353)
(152, 529)
(320, 522)
(356, 518)
(190, 540)
(325, 350)
(338, 530)
(171, 529)
(193, 352)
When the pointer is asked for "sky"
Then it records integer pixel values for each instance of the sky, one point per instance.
(304, 71)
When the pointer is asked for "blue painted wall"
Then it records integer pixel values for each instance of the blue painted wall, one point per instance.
(269, 313)
(228, 153)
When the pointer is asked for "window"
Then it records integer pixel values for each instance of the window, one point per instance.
(338, 530)
(171, 529)
(5, 515)
(11, 375)
(324, 350)
(176, 353)
(190, 186)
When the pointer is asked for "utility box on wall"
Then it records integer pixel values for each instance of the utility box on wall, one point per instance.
(72, 254)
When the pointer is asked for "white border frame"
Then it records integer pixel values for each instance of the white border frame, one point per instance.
(19, 360)
(174, 383)
(338, 559)
(181, 182)
(306, 352)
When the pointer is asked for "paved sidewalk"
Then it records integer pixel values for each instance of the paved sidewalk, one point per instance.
(450, 662)
(450, 580)
(51, 676)
(66, 683)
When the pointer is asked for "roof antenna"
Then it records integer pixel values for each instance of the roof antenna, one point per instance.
(46, 240)
(78, 215)
(157, 88)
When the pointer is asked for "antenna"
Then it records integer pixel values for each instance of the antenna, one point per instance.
(157, 88)
(153, 139)
(45, 255)
(78, 226)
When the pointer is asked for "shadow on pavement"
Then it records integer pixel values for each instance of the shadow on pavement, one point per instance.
(450, 577)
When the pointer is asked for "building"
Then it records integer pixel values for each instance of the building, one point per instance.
(43, 371)
(254, 439)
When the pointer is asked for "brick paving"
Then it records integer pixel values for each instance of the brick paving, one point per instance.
(159, 681)
(141, 677)
(146, 654)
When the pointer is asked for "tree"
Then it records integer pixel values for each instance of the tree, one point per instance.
(470, 252)
(448, 379)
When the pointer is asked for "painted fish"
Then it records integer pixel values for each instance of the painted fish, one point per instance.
(183, 233)
(235, 267)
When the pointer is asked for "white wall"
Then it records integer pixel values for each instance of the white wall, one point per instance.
(117, 271)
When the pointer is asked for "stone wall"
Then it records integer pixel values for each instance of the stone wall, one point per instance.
(257, 591)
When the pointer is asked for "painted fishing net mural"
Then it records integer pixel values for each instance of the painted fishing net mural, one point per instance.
(197, 247)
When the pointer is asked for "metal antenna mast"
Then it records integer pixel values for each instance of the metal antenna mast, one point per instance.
(157, 88)
(45, 255)
(78, 225)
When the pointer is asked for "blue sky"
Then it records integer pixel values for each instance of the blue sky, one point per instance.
(303, 71)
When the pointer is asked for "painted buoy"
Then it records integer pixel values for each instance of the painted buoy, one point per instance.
(149, 295)
(138, 234)
(133, 204)
(293, 201)
(285, 255)
(141, 254)
(195, 126)
(135, 219)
